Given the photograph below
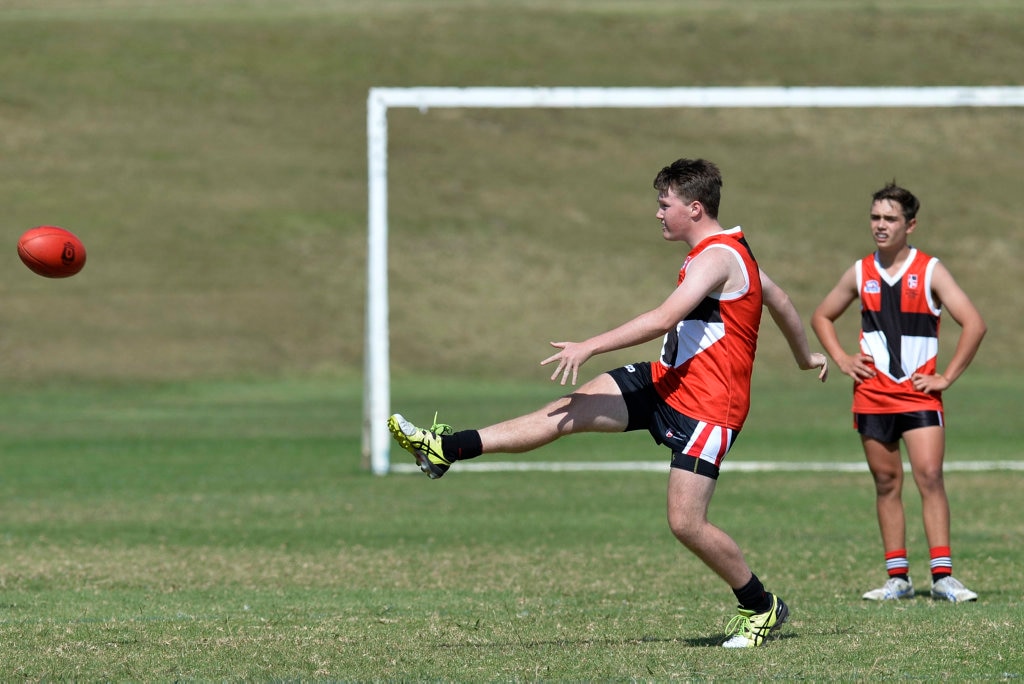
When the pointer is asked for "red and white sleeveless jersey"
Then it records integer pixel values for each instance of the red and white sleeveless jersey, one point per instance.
(707, 359)
(900, 331)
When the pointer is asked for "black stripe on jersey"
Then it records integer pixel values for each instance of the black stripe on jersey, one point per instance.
(708, 311)
(750, 252)
(895, 324)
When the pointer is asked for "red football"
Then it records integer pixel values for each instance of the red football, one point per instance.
(51, 251)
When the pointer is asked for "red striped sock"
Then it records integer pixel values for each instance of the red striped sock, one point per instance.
(942, 562)
(896, 563)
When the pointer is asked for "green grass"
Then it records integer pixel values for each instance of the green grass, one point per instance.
(224, 530)
(181, 489)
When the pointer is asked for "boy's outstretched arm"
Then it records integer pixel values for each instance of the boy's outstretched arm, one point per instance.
(788, 320)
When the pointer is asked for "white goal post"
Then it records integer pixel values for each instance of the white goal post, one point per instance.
(377, 373)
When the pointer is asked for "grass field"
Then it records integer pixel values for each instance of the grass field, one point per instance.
(181, 494)
(224, 531)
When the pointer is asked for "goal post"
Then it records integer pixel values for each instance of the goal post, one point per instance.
(377, 372)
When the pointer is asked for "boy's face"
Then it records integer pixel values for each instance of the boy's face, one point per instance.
(674, 214)
(889, 228)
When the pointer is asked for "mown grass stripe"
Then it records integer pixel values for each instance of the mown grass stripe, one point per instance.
(661, 466)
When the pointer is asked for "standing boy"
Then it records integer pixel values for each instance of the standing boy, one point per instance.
(693, 400)
(897, 390)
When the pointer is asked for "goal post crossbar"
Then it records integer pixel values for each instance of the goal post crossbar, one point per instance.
(377, 374)
(728, 97)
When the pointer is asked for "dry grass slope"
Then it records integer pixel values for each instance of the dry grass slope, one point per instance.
(212, 155)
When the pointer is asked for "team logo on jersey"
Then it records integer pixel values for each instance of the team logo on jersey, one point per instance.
(912, 281)
(872, 287)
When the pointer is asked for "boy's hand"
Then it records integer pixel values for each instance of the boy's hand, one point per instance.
(929, 383)
(820, 361)
(859, 366)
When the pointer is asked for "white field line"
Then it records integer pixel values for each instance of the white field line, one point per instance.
(728, 466)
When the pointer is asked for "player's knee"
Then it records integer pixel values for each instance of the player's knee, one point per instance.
(887, 483)
(685, 529)
(930, 480)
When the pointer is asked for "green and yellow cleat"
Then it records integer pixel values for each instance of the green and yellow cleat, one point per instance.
(751, 629)
(424, 445)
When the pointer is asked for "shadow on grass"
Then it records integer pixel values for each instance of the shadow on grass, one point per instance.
(694, 642)
(703, 642)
